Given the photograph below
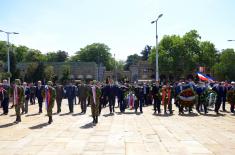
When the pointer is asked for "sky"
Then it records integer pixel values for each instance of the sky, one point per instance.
(123, 25)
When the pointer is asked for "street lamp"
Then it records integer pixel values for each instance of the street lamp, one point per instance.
(157, 70)
(231, 40)
(8, 51)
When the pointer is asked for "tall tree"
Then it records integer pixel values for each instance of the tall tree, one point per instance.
(224, 69)
(131, 60)
(96, 52)
(59, 56)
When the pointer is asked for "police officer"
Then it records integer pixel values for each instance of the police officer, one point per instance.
(26, 98)
(59, 96)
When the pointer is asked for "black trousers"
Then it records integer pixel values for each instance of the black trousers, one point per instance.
(122, 105)
(58, 102)
(224, 101)
(232, 108)
(70, 101)
(217, 106)
(157, 105)
(111, 104)
(83, 105)
(40, 106)
(5, 104)
(137, 104)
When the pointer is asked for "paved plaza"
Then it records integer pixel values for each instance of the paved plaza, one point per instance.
(118, 134)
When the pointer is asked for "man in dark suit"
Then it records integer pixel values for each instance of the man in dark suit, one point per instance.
(223, 95)
(70, 95)
(156, 97)
(5, 96)
(219, 91)
(111, 97)
(39, 95)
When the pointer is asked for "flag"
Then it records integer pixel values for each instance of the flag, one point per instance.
(204, 77)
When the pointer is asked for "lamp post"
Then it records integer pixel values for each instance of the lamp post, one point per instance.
(8, 51)
(231, 40)
(157, 69)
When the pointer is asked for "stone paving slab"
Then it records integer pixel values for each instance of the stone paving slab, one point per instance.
(118, 134)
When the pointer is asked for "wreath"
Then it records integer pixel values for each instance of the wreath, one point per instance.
(187, 97)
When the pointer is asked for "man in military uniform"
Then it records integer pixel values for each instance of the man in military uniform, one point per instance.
(50, 95)
(39, 95)
(18, 99)
(95, 101)
(5, 96)
(59, 96)
(83, 93)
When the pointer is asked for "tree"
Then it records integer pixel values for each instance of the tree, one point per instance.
(30, 72)
(120, 65)
(21, 53)
(49, 73)
(3, 51)
(34, 56)
(59, 56)
(131, 60)
(66, 71)
(96, 52)
(224, 69)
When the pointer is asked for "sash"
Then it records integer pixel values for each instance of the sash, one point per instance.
(48, 97)
(94, 94)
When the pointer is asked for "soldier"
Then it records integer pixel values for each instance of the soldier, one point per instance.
(70, 95)
(5, 96)
(18, 99)
(50, 95)
(59, 96)
(26, 98)
(83, 93)
(95, 101)
(39, 95)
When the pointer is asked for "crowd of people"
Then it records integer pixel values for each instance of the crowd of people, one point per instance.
(185, 94)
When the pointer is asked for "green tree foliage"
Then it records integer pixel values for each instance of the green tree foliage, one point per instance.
(49, 73)
(59, 56)
(225, 68)
(131, 60)
(66, 71)
(34, 56)
(96, 52)
(181, 56)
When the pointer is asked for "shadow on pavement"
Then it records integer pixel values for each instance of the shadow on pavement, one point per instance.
(12, 115)
(78, 114)
(32, 114)
(39, 126)
(68, 113)
(107, 115)
(163, 115)
(189, 114)
(88, 125)
(7, 125)
(214, 115)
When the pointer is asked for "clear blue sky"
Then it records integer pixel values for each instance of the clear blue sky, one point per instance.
(124, 25)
